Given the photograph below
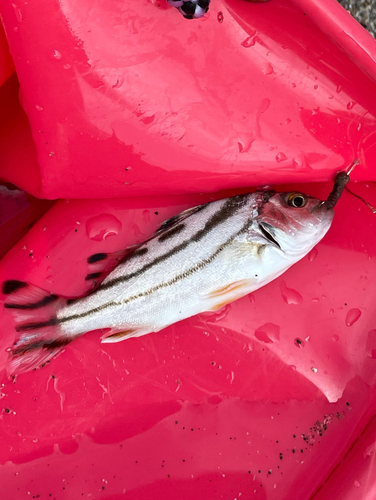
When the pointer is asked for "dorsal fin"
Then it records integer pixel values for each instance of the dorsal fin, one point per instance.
(176, 219)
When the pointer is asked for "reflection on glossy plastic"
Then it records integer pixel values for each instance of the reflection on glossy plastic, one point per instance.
(184, 410)
(223, 104)
(269, 396)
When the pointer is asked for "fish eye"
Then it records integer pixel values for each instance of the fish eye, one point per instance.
(297, 200)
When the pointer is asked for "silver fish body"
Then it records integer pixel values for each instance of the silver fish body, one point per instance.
(210, 256)
(198, 261)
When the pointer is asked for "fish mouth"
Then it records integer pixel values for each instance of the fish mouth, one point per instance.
(267, 232)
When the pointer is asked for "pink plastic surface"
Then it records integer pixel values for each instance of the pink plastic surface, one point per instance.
(6, 62)
(189, 411)
(154, 104)
(273, 396)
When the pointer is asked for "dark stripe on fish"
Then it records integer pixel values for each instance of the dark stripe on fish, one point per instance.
(11, 286)
(93, 276)
(179, 217)
(228, 209)
(172, 232)
(172, 281)
(96, 258)
(137, 253)
(49, 299)
(42, 344)
(33, 326)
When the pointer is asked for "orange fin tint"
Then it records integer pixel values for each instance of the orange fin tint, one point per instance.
(119, 336)
(237, 285)
(229, 293)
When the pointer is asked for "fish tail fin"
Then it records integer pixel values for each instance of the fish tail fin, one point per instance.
(38, 334)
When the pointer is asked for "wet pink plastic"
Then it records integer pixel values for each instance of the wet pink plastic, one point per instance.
(273, 396)
(6, 62)
(251, 398)
(252, 93)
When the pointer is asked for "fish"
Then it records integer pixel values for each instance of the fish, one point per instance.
(197, 261)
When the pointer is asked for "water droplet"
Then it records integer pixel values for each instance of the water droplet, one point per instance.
(331, 311)
(312, 254)
(251, 298)
(220, 315)
(119, 82)
(371, 343)
(280, 157)
(287, 121)
(67, 66)
(357, 484)
(57, 55)
(297, 163)
(352, 316)
(268, 333)
(249, 42)
(338, 89)
(146, 216)
(350, 104)
(313, 369)
(17, 12)
(49, 274)
(38, 108)
(267, 68)
(299, 343)
(335, 338)
(264, 106)
(369, 451)
(290, 296)
(220, 17)
(102, 226)
(316, 87)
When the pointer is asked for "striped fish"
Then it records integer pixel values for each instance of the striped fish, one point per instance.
(197, 261)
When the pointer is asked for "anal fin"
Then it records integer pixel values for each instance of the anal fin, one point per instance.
(118, 336)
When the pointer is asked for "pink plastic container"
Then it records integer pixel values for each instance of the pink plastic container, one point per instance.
(129, 114)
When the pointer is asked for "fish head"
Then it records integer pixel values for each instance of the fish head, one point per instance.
(294, 222)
